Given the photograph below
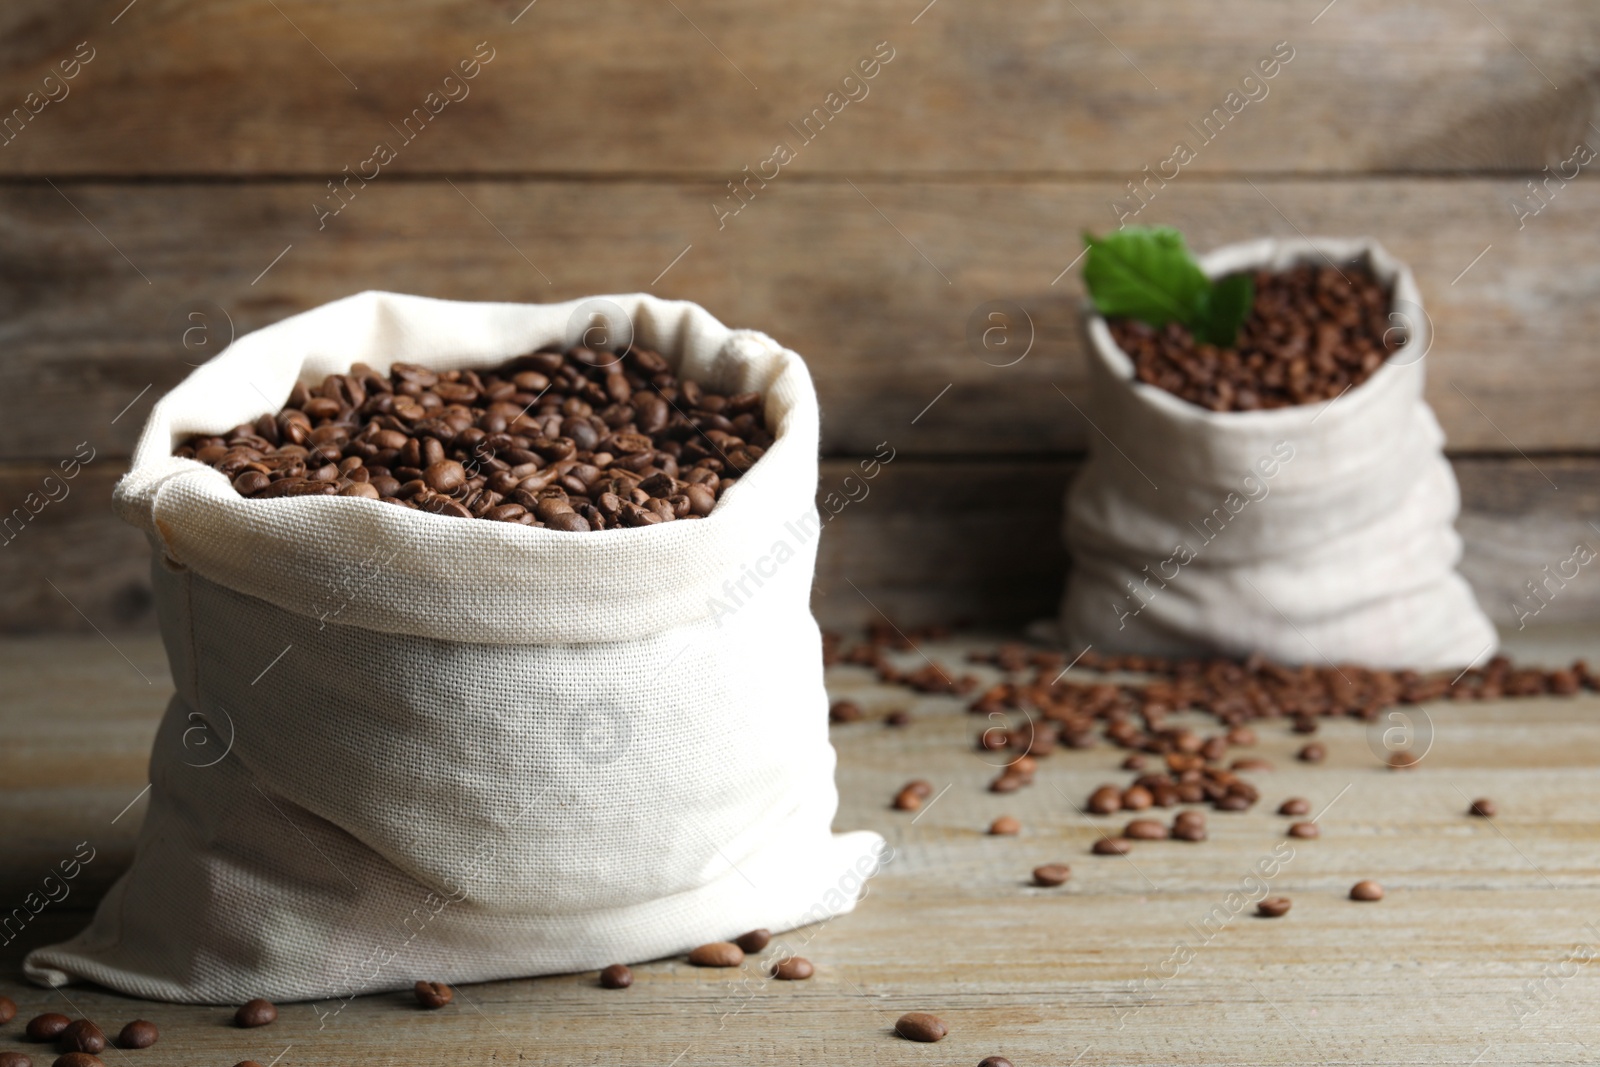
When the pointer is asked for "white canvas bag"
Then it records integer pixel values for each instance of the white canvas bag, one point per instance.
(1321, 533)
(406, 746)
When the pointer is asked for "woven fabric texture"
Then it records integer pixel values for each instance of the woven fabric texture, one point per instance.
(1321, 533)
(407, 746)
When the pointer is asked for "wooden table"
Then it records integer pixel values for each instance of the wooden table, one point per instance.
(1480, 952)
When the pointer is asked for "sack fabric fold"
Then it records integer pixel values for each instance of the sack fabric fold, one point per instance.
(1321, 533)
(406, 746)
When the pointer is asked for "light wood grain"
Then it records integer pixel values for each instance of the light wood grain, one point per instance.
(880, 315)
(614, 87)
(1435, 973)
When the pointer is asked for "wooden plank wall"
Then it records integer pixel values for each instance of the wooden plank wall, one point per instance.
(174, 159)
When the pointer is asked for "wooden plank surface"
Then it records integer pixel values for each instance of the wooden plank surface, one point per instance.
(928, 541)
(1469, 956)
(95, 320)
(708, 86)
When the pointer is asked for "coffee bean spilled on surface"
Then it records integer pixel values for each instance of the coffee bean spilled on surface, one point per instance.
(1313, 332)
(575, 441)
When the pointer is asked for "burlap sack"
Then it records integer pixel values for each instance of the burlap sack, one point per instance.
(1319, 533)
(409, 746)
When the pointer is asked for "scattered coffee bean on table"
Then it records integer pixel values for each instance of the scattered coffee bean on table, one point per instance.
(78, 1059)
(47, 1027)
(257, 1012)
(1403, 760)
(1295, 806)
(1366, 890)
(1052, 874)
(898, 717)
(912, 794)
(1134, 762)
(845, 711)
(793, 969)
(1313, 332)
(1005, 826)
(138, 1034)
(8, 1010)
(754, 941)
(1315, 752)
(1273, 907)
(574, 441)
(920, 1026)
(1105, 800)
(1145, 830)
(994, 1061)
(1484, 808)
(82, 1036)
(616, 976)
(433, 995)
(15, 1059)
(717, 954)
(247, 1063)
(1112, 846)
(1306, 830)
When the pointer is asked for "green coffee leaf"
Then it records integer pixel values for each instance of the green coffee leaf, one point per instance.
(1147, 273)
(1226, 307)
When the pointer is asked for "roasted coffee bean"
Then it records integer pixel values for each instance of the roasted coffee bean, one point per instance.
(138, 1034)
(1189, 831)
(1134, 762)
(1005, 826)
(433, 995)
(1051, 874)
(1304, 725)
(754, 941)
(920, 1026)
(1306, 830)
(1145, 830)
(82, 1035)
(1112, 846)
(898, 717)
(1231, 802)
(1484, 808)
(1007, 782)
(1295, 806)
(793, 969)
(994, 1061)
(247, 1063)
(477, 437)
(1403, 760)
(47, 1027)
(907, 801)
(8, 1010)
(1105, 800)
(717, 954)
(1241, 736)
(15, 1059)
(78, 1059)
(1137, 798)
(616, 976)
(1273, 907)
(844, 711)
(1366, 890)
(1315, 752)
(1250, 763)
(257, 1012)
(1313, 331)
